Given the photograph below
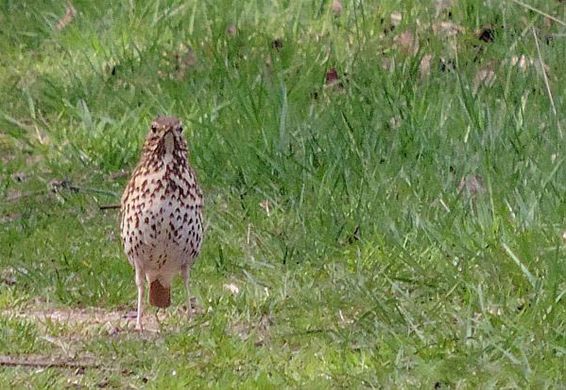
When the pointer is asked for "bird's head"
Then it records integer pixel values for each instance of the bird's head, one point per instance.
(165, 138)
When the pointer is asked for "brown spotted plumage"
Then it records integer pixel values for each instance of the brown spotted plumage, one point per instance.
(161, 224)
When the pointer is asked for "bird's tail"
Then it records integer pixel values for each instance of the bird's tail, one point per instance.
(159, 295)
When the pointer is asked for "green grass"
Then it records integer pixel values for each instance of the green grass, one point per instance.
(371, 268)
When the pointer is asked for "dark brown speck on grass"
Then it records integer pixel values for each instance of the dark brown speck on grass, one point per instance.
(277, 44)
(486, 34)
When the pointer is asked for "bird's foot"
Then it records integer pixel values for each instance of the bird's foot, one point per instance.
(131, 315)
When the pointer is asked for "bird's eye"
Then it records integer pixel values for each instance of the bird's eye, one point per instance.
(180, 129)
(153, 127)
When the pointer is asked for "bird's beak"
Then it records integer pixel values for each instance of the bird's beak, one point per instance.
(169, 140)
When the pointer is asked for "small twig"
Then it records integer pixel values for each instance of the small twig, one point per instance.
(44, 362)
(109, 206)
(94, 190)
(306, 332)
(547, 85)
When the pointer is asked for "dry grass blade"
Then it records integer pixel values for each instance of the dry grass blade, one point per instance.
(538, 11)
(70, 13)
(530, 277)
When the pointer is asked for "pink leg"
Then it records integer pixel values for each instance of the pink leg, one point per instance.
(186, 272)
(140, 284)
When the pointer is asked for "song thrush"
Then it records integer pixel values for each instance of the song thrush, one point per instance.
(161, 224)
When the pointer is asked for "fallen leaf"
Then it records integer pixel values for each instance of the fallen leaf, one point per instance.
(394, 122)
(522, 62)
(331, 76)
(424, 66)
(13, 194)
(10, 217)
(396, 18)
(407, 42)
(231, 287)
(336, 7)
(332, 79)
(471, 184)
(70, 13)
(19, 177)
(114, 331)
(387, 64)
(185, 60)
(548, 22)
(8, 277)
(265, 322)
(441, 5)
(494, 310)
(446, 29)
(231, 30)
(484, 77)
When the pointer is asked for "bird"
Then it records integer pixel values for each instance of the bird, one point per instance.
(161, 224)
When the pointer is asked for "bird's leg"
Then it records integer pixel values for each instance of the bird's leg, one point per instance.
(140, 283)
(185, 271)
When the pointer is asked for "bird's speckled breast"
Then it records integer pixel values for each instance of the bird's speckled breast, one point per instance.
(162, 218)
